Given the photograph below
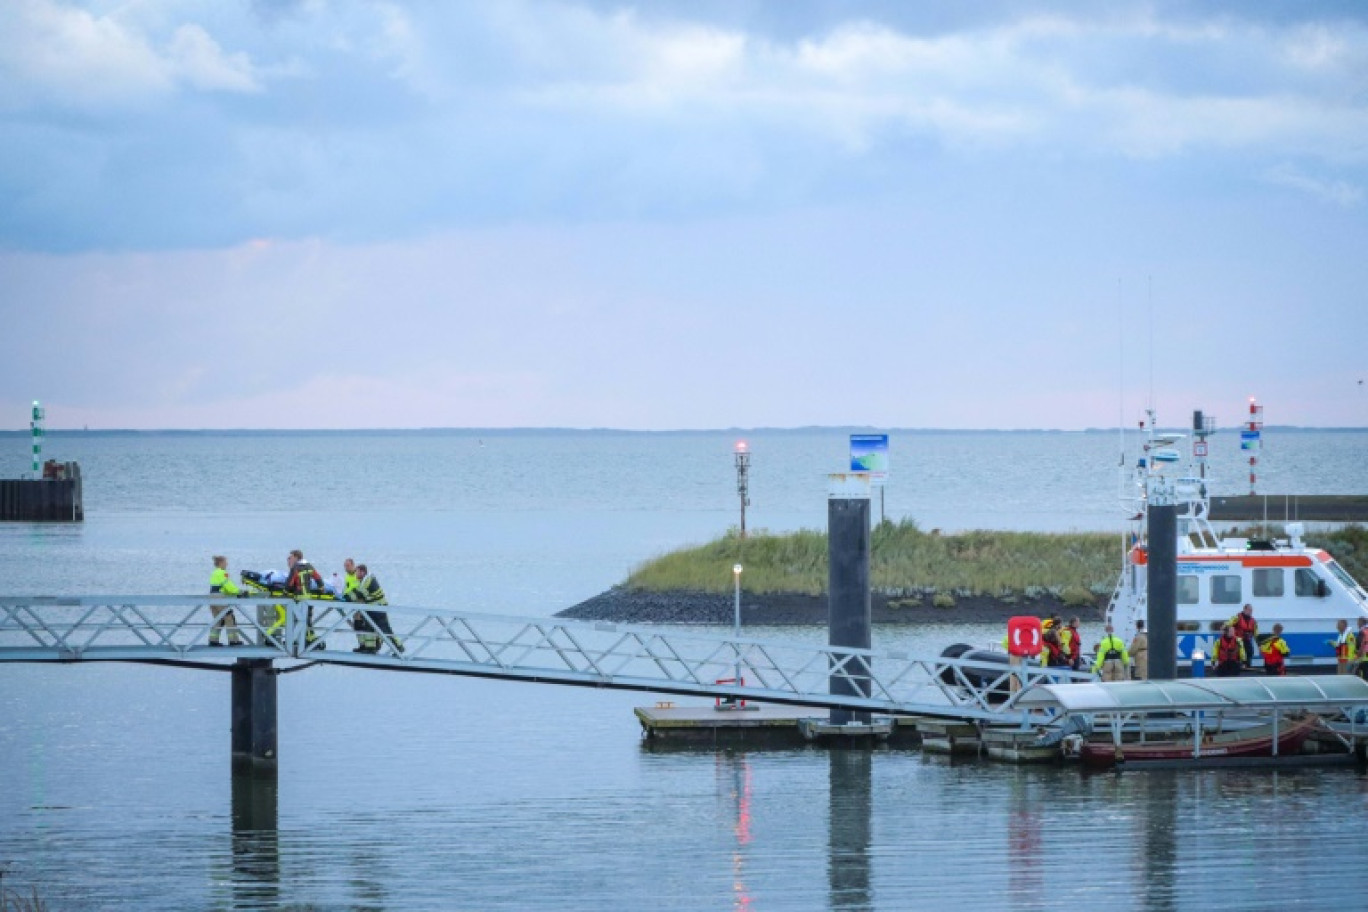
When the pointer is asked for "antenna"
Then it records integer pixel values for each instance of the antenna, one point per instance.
(1149, 302)
(1121, 369)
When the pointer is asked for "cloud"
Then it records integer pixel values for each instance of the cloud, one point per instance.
(390, 119)
(1339, 192)
(53, 53)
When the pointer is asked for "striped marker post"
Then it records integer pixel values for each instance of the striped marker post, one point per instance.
(37, 425)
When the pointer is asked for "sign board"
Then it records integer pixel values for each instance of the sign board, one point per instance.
(1199, 449)
(1249, 440)
(869, 453)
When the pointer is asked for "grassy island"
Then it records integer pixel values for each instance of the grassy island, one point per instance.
(910, 567)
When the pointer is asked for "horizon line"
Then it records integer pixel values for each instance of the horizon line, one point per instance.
(566, 429)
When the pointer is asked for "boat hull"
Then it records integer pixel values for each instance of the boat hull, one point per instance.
(1255, 742)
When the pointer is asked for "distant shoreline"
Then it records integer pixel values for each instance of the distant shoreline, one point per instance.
(529, 431)
(790, 609)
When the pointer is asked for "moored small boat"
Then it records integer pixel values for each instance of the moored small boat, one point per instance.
(1257, 741)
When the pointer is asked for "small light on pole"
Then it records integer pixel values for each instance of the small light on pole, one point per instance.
(736, 623)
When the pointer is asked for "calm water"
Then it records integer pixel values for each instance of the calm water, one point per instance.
(408, 791)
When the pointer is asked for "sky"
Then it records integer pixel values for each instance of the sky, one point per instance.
(707, 214)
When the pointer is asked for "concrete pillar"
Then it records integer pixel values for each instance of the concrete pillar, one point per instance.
(849, 611)
(254, 717)
(1162, 586)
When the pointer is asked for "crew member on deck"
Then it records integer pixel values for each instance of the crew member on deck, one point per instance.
(1247, 629)
(1052, 652)
(1139, 650)
(1346, 648)
(1072, 641)
(1275, 651)
(1229, 654)
(1112, 659)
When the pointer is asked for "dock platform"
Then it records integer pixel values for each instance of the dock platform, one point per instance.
(757, 724)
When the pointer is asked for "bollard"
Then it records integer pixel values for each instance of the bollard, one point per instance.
(1198, 664)
(849, 618)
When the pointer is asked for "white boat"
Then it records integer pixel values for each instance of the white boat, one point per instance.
(1287, 582)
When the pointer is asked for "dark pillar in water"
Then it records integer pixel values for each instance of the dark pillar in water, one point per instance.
(848, 612)
(1162, 590)
(254, 717)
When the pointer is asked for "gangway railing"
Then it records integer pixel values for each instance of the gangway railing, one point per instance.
(175, 630)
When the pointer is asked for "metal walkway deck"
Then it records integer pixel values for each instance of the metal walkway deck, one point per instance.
(174, 630)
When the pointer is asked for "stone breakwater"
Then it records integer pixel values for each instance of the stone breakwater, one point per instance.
(642, 606)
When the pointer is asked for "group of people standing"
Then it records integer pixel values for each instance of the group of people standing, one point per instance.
(1234, 651)
(1062, 647)
(303, 580)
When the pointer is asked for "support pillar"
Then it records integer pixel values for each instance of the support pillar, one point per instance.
(1162, 583)
(254, 717)
(849, 617)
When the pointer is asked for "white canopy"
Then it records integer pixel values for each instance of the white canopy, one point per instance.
(1293, 692)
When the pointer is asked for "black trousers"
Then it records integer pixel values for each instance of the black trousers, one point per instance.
(378, 622)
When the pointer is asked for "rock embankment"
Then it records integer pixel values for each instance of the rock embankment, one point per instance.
(642, 606)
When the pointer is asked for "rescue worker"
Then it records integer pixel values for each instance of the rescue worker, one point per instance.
(1346, 651)
(304, 579)
(1275, 652)
(1139, 650)
(1072, 642)
(370, 624)
(349, 581)
(1228, 653)
(1247, 628)
(1052, 652)
(221, 582)
(1112, 659)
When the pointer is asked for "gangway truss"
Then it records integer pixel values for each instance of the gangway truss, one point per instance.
(171, 629)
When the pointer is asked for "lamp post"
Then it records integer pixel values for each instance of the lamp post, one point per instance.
(743, 481)
(736, 623)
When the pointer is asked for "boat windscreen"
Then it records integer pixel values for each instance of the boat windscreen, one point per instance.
(1343, 575)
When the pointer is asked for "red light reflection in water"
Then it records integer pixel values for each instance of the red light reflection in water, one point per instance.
(740, 795)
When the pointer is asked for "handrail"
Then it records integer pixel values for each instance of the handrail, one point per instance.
(547, 650)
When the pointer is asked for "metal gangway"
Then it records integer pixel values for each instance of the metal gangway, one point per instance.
(174, 630)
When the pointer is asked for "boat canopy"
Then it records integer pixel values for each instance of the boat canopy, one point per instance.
(1293, 692)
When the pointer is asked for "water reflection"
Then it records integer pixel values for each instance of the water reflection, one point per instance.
(1157, 798)
(1028, 796)
(734, 775)
(849, 828)
(255, 875)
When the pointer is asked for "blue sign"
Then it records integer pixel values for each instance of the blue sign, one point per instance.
(869, 453)
(1249, 440)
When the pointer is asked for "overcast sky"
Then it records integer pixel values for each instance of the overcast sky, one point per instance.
(681, 215)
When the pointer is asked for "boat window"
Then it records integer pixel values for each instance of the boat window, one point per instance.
(1342, 575)
(1306, 582)
(1187, 590)
(1225, 589)
(1268, 582)
(1216, 626)
(1188, 626)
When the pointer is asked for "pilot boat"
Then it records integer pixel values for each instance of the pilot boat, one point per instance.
(1285, 580)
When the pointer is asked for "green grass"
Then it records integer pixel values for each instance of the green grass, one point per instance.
(906, 562)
